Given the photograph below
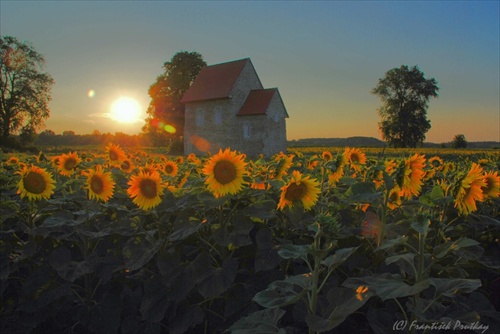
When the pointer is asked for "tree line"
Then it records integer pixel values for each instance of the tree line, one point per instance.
(25, 90)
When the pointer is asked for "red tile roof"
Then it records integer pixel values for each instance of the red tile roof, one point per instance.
(215, 81)
(257, 102)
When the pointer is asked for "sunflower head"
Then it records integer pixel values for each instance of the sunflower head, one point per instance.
(127, 166)
(436, 163)
(410, 174)
(146, 190)
(36, 183)
(303, 189)
(327, 155)
(492, 188)
(470, 190)
(355, 157)
(115, 154)
(170, 168)
(99, 184)
(225, 171)
(67, 163)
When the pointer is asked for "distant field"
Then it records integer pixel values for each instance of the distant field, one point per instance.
(378, 152)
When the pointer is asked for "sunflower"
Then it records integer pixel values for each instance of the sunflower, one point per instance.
(395, 199)
(67, 163)
(170, 168)
(192, 158)
(36, 183)
(492, 188)
(225, 171)
(13, 160)
(355, 158)
(327, 155)
(126, 166)
(301, 189)
(145, 189)
(412, 174)
(115, 153)
(283, 163)
(436, 163)
(100, 184)
(470, 190)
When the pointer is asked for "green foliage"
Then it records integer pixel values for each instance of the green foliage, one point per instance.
(405, 94)
(166, 92)
(459, 141)
(24, 89)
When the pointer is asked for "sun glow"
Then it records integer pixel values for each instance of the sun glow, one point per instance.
(125, 110)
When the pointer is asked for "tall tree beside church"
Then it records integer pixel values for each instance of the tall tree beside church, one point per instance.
(405, 95)
(24, 89)
(165, 114)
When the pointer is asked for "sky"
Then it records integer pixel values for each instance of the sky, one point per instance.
(324, 57)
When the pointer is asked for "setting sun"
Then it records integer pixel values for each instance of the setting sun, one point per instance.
(125, 110)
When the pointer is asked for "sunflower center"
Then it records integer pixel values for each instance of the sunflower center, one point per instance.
(169, 169)
(96, 184)
(354, 157)
(34, 183)
(224, 172)
(148, 188)
(295, 191)
(113, 155)
(69, 164)
(125, 165)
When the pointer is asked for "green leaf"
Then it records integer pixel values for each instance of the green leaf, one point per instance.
(343, 302)
(139, 250)
(294, 252)
(340, 256)
(60, 260)
(264, 209)
(421, 225)
(284, 292)
(387, 286)
(398, 259)
(184, 227)
(266, 255)
(400, 240)
(219, 279)
(364, 192)
(155, 301)
(443, 249)
(265, 321)
(450, 287)
(185, 318)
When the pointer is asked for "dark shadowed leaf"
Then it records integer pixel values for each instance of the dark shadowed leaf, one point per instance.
(294, 252)
(443, 249)
(387, 286)
(266, 255)
(450, 287)
(343, 302)
(284, 292)
(185, 318)
(138, 251)
(340, 256)
(155, 301)
(263, 209)
(260, 322)
(219, 279)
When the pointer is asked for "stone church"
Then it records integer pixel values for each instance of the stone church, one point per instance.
(227, 106)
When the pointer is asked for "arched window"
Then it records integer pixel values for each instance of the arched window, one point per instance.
(218, 116)
(246, 130)
(199, 117)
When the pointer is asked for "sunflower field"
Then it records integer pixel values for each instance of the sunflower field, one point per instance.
(109, 241)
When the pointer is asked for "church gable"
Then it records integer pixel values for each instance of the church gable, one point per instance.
(218, 105)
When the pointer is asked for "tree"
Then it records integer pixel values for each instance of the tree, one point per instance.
(405, 94)
(459, 141)
(24, 88)
(165, 120)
